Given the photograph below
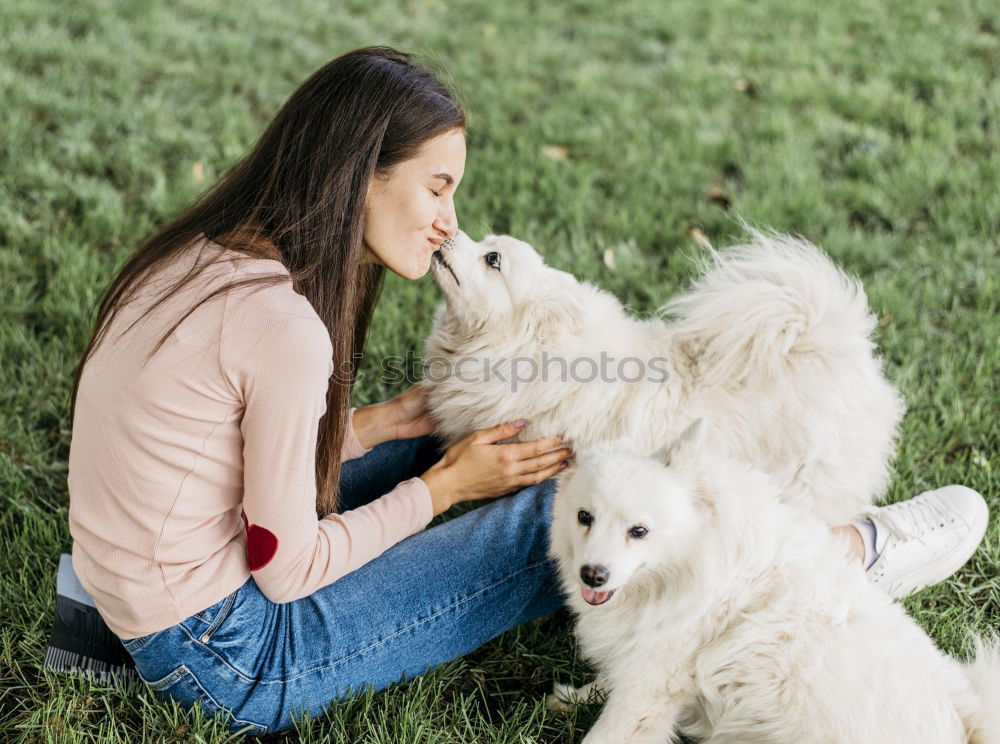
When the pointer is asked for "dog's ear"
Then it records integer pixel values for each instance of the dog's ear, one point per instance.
(685, 445)
(554, 310)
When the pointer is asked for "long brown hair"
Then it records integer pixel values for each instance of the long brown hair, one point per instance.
(299, 196)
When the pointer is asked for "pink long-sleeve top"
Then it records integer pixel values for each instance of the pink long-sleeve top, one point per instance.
(173, 463)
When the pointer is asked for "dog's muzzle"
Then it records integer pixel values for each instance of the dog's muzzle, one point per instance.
(438, 256)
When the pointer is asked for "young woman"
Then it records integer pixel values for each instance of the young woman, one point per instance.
(257, 544)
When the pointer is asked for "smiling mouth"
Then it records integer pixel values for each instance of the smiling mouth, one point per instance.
(590, 596)
(436, 256)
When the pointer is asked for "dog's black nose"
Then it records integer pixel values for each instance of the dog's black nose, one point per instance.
(594, 575)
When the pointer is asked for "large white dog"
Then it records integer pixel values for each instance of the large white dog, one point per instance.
(773, 342)
(708, 606)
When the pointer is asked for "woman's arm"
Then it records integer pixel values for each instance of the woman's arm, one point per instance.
(280, 367)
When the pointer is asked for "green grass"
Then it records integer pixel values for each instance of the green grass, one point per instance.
(869, 128)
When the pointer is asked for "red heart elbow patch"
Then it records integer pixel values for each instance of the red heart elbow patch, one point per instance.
(262, 544)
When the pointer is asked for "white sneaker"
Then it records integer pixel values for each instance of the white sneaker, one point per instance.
(926, 539)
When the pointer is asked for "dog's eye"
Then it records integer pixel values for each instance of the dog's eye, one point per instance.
(638, 532)
(584, 517)
(492, 259)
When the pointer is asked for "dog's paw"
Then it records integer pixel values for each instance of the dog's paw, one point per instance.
(562, 698)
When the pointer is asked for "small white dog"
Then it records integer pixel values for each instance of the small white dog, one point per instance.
(773, 342)
(711, 609)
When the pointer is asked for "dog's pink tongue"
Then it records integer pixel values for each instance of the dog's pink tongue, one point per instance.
(594, 597)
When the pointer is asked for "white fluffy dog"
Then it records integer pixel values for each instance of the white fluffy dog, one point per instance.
(773, 342)
(710, 608)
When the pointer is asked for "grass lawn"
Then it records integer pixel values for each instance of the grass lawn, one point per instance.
(603, 132)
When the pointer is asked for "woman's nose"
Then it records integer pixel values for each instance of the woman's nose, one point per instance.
(447, 220)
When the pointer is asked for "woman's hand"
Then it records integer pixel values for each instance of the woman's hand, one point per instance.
(402, 417)
(410, 417)
(476, 468)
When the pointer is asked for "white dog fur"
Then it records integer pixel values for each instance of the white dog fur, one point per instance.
(773, 342)
(740, 619)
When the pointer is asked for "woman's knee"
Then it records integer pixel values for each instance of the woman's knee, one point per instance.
(531, 512)
(542, 496)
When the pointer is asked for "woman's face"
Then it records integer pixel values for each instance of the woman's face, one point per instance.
(408, 215)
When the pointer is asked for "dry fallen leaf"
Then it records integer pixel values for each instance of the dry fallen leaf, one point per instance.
(716, 196)
(555, 152)
(609, 258)
(698, 237)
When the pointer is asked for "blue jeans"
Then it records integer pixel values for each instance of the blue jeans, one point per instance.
(430, 598)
